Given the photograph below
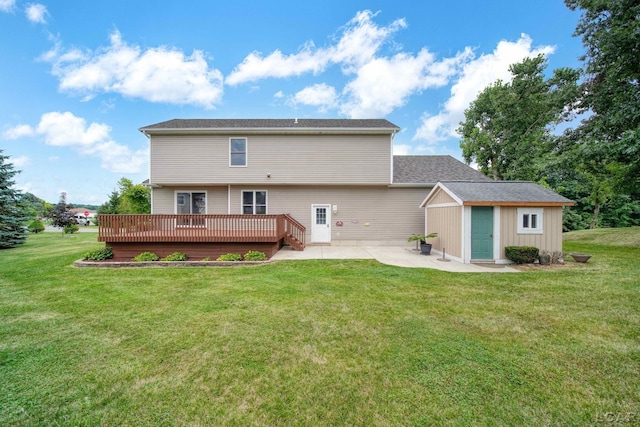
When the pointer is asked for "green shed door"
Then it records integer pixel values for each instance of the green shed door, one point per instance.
(481, 232)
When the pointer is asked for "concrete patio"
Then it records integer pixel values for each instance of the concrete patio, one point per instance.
(400, 256)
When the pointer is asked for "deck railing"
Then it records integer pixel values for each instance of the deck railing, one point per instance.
(198, 228)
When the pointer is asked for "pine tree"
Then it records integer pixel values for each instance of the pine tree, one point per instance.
(13, 212)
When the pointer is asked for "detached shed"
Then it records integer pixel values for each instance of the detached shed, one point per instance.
(476, 220)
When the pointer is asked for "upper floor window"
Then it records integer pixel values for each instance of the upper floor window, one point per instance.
(530, 220)
(254, 202)
(238, 152)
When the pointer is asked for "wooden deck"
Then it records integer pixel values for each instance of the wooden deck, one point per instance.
(138, 232)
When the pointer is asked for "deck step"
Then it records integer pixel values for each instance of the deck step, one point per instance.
(293, 242)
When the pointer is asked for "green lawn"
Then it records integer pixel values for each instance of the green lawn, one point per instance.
(318, 342)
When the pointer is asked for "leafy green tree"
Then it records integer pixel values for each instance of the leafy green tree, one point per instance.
(36, 205)
(129, 198)
(13, 209)
(110, 206)
(507, 129)
(610, 31)
(36, 226)
(138, 199)
(62, 216)
(47, 210)
(594, 189)
(134, 198)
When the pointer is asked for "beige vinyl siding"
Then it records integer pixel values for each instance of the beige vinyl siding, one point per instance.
(300, 159)
(441, 197)
(367, 213)
(550, 240)
(447, 222)
(164, 199)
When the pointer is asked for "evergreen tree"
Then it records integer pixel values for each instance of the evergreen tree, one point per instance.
(61, 215)
(13, 212)
(110, 206)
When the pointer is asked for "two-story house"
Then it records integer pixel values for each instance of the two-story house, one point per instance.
(220, 185)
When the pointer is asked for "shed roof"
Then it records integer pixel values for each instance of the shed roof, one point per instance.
(500, 193)
(431, 169)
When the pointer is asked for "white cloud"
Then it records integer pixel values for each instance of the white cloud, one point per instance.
(158, 74)
(379, 84)
(7, 5)
(36, 13)
(319, 95)
(360, 41)
(18, 132)
(384, 84)
(25, 187)
(255, 67)
(279, 94)
(67, 130)
(20, 162)
(401, 149)
(476, 75)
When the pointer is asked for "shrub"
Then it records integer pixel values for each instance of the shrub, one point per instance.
(146, 256)
(99, 254)
(522, 254)
(176, 256)
(36, 226)
(255, 256)
(71, 228)
(206, 259)
(230, 257)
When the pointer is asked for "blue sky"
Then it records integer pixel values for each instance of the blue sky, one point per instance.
(78, 79)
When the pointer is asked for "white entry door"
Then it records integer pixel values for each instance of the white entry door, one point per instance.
(321, 223)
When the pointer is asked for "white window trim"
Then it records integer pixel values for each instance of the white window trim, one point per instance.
(531, 211)
(246, 152)
(266, 201)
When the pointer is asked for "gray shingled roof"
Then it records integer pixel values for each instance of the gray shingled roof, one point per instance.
(504, 192)
(431, 169)
(203, 124)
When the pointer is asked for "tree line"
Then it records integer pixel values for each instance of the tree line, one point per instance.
(17, 208)
(511, 130)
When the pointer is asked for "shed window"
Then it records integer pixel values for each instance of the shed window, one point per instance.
(530, 220)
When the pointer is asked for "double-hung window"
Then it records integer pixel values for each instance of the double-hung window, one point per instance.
(530, 220)
(238, 152)
(254, 202)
